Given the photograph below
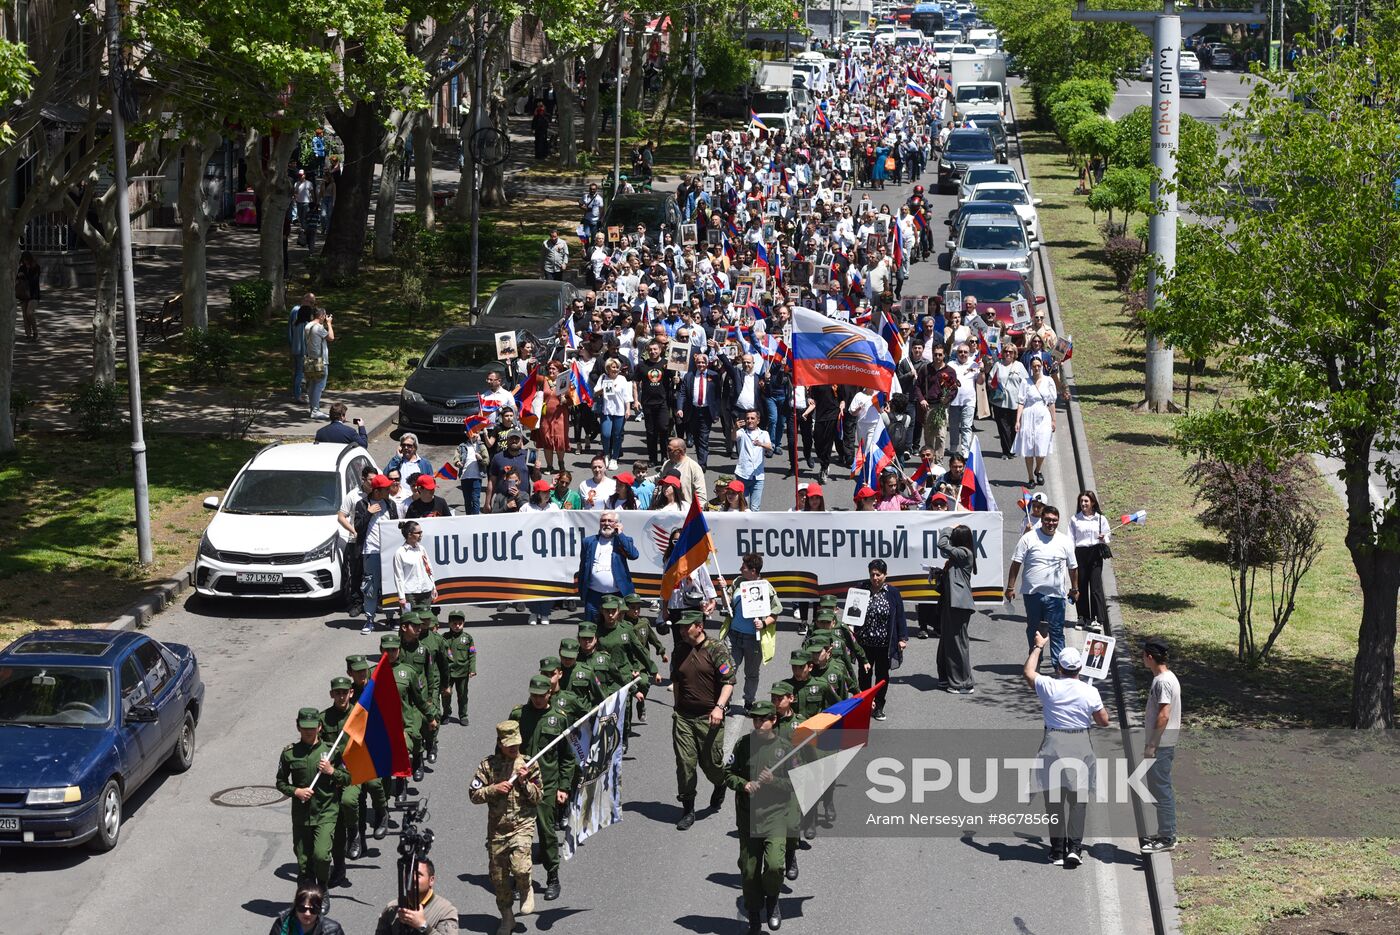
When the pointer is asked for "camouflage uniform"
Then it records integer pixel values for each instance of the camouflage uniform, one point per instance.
(510, 822)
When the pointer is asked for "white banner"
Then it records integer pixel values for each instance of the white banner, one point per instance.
(535, 556)
(597, 745)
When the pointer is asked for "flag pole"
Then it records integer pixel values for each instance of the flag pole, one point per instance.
(814, 734)
(793, 438)
(327, 757)
(572, 727)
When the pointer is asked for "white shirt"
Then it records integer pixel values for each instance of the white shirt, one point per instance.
(1067, 704)
(751, 452)
(411, 571)
(1085, 530)
(1166, 689)
(616, 393)
(600, 491)
(967, 389)
(748, 382)
(531, 507)
(602, 567)
(1043, 560)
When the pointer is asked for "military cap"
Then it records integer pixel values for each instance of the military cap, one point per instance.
(390, 641)
(340, 682)
(411, 617)
(818, 639)
(783, 687)
(357, 663)
(508, 733)
(568, 643)
(799, 657)
(762, 709)
(539, 685)
(633, 599)
(309, 717)
(827, 600)
(613, 602)
(587, 629)
(692, 616)
(548, 664)
(457, 615)
(568, 652)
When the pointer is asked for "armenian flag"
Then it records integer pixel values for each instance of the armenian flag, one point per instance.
(580, 385)
(756, 123)
(821, 118)
(447, 471)
(842, 726)
(691, 551)
(475, 422)
(376, 746)
(529, 399)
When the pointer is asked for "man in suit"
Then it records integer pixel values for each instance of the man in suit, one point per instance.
(698, 402)
(337, 431)
(602, 567)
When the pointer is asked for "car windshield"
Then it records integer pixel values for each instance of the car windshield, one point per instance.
(999, 174)
(1013, 196)
(770, 102)
(1190, 77)
(994, 237)
(460, 356)
(284, 493)
(65, 696)
(973, 93)
(970, 145)
(990, 290)
(512, 304)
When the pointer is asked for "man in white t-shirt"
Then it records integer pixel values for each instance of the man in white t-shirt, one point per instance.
(1048, 558)
(754, 445)
(964, 405)
(1161, 723)
(496, 397)
(1070, 708)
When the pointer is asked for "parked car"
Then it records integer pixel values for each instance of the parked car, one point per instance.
(1193, 84)
(1222, 57)
(657, 210)
(1015, 195)
(275, 532)
(994, 287)
(993, 243)
(965, 149)
(1145, 70)
(86, 718)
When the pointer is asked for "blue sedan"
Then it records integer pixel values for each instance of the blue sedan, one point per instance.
(86, 717)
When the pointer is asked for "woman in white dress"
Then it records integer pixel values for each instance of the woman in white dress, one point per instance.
(1035, 422)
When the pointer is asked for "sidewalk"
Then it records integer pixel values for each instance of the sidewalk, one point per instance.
(50, 370)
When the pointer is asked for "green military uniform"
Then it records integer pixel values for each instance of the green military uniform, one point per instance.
(346, 843)
(313, 821)
(419, 657)
(510, 821)
(643, 627)
(538, 727)
(699, 675)
(460, 650)
(585, 689)
(843, 642)
(784, 729)
(628, 652)
(436, 644)
(761, 815)
(600, 661)
(374, 789)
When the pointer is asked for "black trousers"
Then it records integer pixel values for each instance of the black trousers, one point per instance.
(698, 426)
(1068, 817)
(825, 438)
(1092, 603)
(879, 671)
(804, 428)
(657, 419)
(1006, 428)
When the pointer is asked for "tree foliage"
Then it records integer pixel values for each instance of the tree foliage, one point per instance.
(1300, 303)
(1052, 49)
(1197, 148)
(1096, 92)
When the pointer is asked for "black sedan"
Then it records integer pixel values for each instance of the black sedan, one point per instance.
(86, 717)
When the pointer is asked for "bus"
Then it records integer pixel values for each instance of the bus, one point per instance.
(927, 18)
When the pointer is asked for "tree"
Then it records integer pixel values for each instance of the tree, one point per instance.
(1197, 146)
(1301, 305)
(1098, 93)
(1093, 138)
(1052, 49)
(1124, 189)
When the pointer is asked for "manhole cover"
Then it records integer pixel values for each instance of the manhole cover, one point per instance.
(247, 796)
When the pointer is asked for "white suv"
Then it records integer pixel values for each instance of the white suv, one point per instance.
(275, 534)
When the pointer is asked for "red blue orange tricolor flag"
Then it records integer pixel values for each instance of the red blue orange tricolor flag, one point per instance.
(691, 551)
(375, 744)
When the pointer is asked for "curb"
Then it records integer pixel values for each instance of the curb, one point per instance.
(166, 593)
(1161, 879)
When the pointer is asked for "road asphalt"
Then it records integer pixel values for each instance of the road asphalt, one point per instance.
(186, 862)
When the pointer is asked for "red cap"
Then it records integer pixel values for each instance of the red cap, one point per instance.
(864, 493)
(939, 496)
(735, 485)
(815, 490)
(425, 481)
(625, 477)
(672, 480)
(380, 482)
(540, 486)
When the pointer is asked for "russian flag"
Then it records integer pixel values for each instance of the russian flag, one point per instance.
(756, 123)
(890, 332)
(580, 385)
(1140, 517)
(570, 333)
(760, 256)
(826, 351)
(917, 90)
(923, 474)
(976, 493)
(691, 551)
(447, 471)
(376, 746)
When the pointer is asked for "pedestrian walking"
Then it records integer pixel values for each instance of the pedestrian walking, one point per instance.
(1161, 723)
(511, 791)
(702, 679)
(603, 564)
(1066, 775)
(366, 519)
(1091, 534)
(318, 335)
(954, 660)
(413, 573)
(314, 810)
(1035, 422)
(748, 635)
(1048, 558)
(28, 288)
(306, 915)
(883, 635)
(554, 256)
(461, 662)
(540, 723)
(762, 802)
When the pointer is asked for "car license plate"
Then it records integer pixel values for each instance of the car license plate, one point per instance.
(9, 824)
(448, 420)
(258, 577)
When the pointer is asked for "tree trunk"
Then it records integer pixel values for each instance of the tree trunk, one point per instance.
(194, 224)
(104, 317)
(635, 89)
(360, 129)
(1378, 570)
(274, 187)
(10, 231)
(592, 104)
(392, 148)
(493, 177)
(423, 168)
(565, 111)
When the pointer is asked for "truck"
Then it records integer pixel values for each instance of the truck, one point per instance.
(978, 97)
(980, 67)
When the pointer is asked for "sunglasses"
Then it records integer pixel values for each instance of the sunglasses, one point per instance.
(313, 909)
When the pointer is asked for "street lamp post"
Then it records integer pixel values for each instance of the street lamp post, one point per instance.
(617, 114)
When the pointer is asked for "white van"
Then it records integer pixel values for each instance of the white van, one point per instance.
(950, 36)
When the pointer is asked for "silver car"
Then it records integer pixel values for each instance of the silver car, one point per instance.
(994, 243)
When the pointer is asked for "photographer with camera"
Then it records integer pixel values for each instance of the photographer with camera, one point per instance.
(421, 909)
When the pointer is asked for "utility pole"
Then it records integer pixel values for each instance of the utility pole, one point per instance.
(116, 76)
(617, 115)
(471, 142)
(694, 39)
(1166, 26)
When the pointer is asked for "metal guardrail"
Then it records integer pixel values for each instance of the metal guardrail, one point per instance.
(1161, 881)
